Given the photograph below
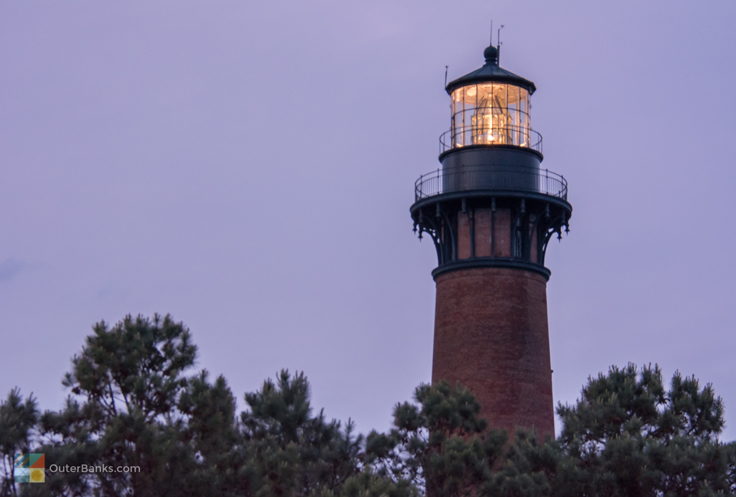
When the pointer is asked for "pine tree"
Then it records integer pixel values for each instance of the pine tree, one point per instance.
(629, 436)
(438, 444)
(290, 451)
(18, 419)
(134, 405)
(136, 400)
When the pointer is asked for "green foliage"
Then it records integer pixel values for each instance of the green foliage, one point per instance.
(292, 452)
(527, 469)
(626, 436)
(137, 401)
(629, 436)
(438, 444)
(133, 405)
(135, 367)
(18, 418)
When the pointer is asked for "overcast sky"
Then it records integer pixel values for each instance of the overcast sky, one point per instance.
(248, 167)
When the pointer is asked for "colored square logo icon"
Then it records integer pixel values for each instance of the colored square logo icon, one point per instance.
(37, 475)
(30, 468)
(22, 475)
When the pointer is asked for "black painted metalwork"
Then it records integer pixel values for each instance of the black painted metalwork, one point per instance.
(465, 136)
(490, 181)
(507, 262)
(491, 72)
(491, 197)
(533, 219)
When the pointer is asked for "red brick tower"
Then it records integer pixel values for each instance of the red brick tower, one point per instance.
(491, 210)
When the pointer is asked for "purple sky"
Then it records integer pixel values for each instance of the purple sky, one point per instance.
(248, 167)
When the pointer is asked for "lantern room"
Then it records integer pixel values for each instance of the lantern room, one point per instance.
(490, 106)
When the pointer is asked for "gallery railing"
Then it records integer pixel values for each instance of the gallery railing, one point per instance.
(464, 136)
(490, 178)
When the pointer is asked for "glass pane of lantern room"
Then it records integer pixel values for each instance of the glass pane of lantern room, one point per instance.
(470, 94)
(457, 117)
(524, 117)
(513, 105)
(490, 113)
(480, 120)
(503, 120)
(485, 95)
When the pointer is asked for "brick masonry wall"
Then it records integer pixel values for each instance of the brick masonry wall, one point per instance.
(491, 336)
(485, 244)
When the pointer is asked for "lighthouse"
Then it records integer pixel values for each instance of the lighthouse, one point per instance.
(491, 210)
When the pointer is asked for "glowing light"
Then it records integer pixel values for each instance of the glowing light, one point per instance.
(490, 114)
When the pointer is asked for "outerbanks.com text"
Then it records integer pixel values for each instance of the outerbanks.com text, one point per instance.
(91, 468)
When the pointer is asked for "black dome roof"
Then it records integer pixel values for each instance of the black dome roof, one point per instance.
(491, 72)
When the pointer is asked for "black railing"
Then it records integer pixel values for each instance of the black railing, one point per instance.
(496, 179)
(463, 136)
